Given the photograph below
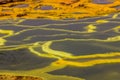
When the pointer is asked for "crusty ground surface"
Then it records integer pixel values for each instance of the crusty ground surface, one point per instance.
(9, 77)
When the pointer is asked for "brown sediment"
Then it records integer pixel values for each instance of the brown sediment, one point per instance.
(10, 77)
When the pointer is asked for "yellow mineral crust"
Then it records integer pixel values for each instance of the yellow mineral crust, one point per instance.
(60, 9)
(56, 9)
